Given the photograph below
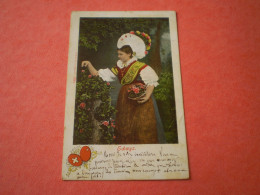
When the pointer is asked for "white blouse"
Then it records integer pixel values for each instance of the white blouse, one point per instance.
(147, 74)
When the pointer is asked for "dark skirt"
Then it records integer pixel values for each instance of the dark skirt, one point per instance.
(135, 123)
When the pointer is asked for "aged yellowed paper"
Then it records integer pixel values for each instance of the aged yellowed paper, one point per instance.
(124, 116)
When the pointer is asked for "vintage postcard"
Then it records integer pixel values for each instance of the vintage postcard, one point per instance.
(124, 117)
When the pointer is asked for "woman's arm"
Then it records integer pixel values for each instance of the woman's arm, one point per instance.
(148, 93)
(90, 67)
(105, 74)
(150, 78)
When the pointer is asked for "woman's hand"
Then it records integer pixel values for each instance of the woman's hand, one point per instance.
(148, 93)
(143, 99)
(91, 68)
(85, 63)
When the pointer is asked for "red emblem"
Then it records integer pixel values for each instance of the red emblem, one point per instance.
(85, 153)
(75, 160)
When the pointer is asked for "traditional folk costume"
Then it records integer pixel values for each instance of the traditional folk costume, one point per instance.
(135, 123)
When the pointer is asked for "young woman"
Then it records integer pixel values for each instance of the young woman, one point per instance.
(135, 118)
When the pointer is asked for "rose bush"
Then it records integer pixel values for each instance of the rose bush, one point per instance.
(90, 89)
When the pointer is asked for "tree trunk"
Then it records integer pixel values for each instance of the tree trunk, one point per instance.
(155, 58)
(96, 135)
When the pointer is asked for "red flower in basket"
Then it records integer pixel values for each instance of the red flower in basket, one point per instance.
(136, 91)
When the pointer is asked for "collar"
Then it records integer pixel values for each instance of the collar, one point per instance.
(121, 65)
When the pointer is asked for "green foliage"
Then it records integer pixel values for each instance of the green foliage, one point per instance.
(165, 89)
(90, 90)
(104, 111)
(164, 95)
(93, 31)
(107, 134)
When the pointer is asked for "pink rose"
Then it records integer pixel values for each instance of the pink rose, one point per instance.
(132, 32)
(108, 83)
(106, 123)
(136, 90)
(146, 52)
(143, 34)
(89, 76)
(82, 105)
(83, 71)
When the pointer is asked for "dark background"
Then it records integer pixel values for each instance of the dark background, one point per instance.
(98, 44)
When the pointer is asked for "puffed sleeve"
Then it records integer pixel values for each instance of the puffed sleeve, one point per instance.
(107, 75)
(149, 76)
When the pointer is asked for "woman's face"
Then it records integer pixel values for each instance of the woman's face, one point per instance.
(124, 57)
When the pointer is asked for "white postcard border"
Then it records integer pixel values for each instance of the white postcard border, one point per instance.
(180, 149)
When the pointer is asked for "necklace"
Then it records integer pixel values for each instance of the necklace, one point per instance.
(123, 72)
